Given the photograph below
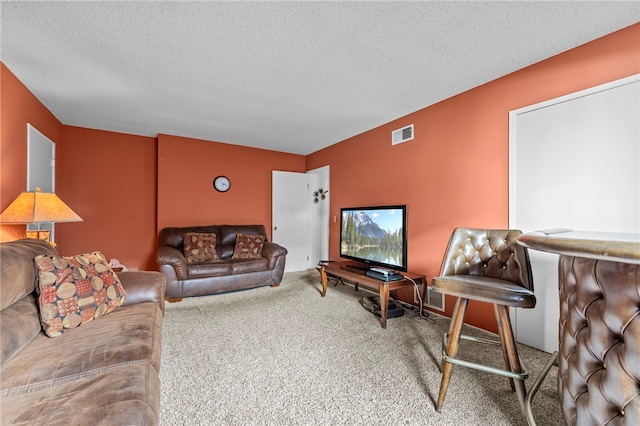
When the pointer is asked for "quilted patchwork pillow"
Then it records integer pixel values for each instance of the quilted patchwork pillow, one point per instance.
(198, 248)
(73, 290)
(248, 246)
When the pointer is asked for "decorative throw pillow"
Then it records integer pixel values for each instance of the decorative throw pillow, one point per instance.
(248, 246)
(73, 290)
(199, 248)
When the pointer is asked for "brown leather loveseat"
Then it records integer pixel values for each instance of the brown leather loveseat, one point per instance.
(223, 269)
(101, 365)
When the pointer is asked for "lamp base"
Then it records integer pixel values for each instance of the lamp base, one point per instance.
(40, 235)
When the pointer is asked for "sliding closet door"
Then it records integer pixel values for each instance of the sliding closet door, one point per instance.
(574, 163)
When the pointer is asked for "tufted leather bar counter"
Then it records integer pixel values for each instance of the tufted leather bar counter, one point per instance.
(599, 348)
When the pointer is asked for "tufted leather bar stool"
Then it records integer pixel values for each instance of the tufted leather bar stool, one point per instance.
(599, 338)
(486, 265)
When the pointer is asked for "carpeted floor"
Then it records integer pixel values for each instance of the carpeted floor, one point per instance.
(286, 356)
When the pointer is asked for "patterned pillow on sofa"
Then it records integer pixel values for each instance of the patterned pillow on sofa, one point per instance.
(73, 290)
(248, 246)
(199, 247)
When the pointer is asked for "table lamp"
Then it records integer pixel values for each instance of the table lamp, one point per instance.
(37, 207)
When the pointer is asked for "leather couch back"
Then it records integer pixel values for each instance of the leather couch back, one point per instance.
(17, 269)
(488, 252)
(225, 236)
(19, 317)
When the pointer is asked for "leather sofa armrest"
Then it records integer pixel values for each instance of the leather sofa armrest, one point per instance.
(272, 252)
(167, 255)
(143, 286)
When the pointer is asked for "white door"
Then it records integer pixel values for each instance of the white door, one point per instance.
(41, 154)
(574, 163)
(290, 217)
(319, 215)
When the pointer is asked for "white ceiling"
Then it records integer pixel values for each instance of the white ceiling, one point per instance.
(286, 76)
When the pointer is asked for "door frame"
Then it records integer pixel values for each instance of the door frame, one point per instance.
(319, 217)
(36, 154)
(318, 214)
(544, 336)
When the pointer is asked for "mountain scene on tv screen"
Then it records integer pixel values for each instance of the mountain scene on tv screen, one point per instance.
(362, 237)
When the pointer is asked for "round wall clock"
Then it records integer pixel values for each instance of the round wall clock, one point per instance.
(222, 183)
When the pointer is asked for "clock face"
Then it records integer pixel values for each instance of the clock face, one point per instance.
(222, 183)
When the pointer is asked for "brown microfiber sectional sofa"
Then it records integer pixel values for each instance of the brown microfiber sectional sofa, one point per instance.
(104, 372)
(224, 274)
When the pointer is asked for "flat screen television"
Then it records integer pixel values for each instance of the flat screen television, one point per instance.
(375, 235)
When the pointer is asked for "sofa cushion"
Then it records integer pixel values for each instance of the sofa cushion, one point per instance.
(123, 394)
(199, 247)
(19, 324)
(208, 270)
(73, 290)
(129, 335)
(248, 246)
(18, 275)
(244, 266)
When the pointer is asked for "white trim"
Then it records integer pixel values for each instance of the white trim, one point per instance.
(320, 221)
(32, 135)
(31, 130)
(544, 335)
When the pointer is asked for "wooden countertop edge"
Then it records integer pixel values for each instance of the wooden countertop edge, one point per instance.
(615, 247)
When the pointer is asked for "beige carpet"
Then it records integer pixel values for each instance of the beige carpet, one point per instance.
(286, 356)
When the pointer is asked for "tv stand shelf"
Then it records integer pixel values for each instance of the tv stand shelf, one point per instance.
(346, 271)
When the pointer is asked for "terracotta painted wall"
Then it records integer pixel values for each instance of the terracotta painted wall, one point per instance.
(187, 167)
(109, 179)
(18, 106)
(455, 171)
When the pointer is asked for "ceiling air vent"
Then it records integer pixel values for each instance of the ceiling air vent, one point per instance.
(402, 135)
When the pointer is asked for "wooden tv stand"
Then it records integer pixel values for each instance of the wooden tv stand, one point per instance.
(342, 271)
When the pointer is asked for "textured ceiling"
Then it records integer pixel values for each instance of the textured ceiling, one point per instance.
(287, 76)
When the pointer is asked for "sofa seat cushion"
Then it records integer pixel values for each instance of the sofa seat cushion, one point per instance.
(123, 394)
(243, 266)
(202, 270)
(131, 334)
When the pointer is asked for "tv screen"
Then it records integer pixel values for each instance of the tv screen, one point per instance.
(375, 235)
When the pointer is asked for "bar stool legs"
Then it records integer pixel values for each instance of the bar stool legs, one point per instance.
(455, 330)
(509, 341)
(513, 368)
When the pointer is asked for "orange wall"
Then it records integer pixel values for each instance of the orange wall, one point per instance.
(187, 167)
(109, 179)
(18, 106)
(455, 171)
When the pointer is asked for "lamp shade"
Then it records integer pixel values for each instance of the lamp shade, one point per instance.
(38, 207)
